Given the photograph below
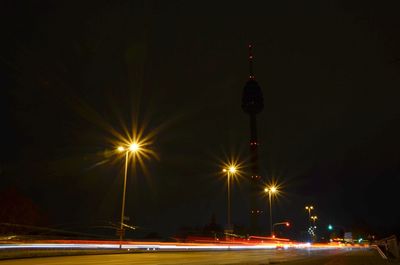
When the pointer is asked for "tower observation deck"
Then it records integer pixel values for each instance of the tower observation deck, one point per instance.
(252, 104)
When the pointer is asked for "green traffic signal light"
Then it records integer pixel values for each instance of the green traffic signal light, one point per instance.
(330, 227)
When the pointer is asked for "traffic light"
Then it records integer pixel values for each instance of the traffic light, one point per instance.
(330, 227)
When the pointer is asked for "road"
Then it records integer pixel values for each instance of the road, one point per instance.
(356, 257)
(343, 256)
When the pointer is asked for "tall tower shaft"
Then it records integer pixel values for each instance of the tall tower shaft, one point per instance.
(252, 104)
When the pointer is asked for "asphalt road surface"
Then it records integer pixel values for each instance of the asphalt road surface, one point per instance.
(248, 257)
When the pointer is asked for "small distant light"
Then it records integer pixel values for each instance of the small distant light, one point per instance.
(120, 149)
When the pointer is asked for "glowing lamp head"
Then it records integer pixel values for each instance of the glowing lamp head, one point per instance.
(232, 169)
(287, 224)
(134, 147)
(273, 189)
(120, 149)
(266, 190)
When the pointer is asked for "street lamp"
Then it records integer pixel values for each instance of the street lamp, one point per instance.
(314, 218)
(133, 148)
(231, 170)
(309, 209)
(271, 190)
(287, 224)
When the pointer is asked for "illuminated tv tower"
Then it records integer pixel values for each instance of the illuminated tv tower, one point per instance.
(252, 104)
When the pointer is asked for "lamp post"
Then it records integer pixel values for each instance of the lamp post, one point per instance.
(309, 209)
(230, 171)
(132, 148)
(313, 229)
(280, 223)
(271, 190)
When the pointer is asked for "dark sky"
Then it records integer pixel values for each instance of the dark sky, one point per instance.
(329, 70)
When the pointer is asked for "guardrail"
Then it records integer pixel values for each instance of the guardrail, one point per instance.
(389, 247)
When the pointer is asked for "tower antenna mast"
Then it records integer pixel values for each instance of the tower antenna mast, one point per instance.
(252, 104)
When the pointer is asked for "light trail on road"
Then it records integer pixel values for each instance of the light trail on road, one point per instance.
(159, 246)
(222, 257)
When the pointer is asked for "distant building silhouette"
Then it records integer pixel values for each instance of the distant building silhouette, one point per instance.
(213, 229)
(17, 211)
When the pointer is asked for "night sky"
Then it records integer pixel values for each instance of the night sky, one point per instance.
(72, 73)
